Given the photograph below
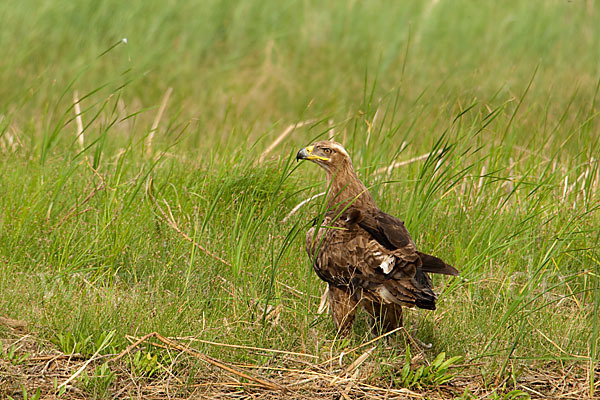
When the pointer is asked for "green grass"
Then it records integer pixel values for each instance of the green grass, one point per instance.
(503, 95)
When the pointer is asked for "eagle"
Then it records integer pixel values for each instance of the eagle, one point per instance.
(366, 256)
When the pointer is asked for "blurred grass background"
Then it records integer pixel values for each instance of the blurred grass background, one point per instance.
(250, 65)
(502, 94)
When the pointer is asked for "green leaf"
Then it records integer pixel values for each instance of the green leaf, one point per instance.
(418, 375)
(439, 359)
(449, 362)
(405, 373)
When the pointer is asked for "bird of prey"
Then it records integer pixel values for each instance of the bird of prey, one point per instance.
(366, 256)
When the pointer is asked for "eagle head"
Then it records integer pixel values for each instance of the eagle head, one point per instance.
(327, 154)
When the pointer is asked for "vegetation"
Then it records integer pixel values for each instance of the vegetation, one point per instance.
(176, 219)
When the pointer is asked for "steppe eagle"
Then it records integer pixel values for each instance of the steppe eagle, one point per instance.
(366, 256)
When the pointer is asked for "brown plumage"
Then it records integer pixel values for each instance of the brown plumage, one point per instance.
(366, 256)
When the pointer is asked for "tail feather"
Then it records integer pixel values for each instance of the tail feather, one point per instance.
(436, 265)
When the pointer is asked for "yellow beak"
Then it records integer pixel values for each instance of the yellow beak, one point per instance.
(307, 154)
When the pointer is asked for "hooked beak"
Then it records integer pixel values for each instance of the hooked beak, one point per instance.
(307, 154)
(302, 155)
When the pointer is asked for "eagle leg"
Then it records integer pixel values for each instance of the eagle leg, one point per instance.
(343, 303)
(387, 317)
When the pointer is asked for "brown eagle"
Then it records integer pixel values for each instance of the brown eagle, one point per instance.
(366, 256)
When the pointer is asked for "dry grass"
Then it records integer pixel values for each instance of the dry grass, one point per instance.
(286, 374)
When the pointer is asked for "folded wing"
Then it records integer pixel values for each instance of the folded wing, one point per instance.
(372, 252)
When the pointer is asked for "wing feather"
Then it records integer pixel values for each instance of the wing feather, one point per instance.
(391, 233)
(386, 229)
(345, 254)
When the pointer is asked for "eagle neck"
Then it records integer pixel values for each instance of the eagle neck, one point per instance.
(345, 187)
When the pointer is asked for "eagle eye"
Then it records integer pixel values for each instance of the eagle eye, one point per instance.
(327, 150)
